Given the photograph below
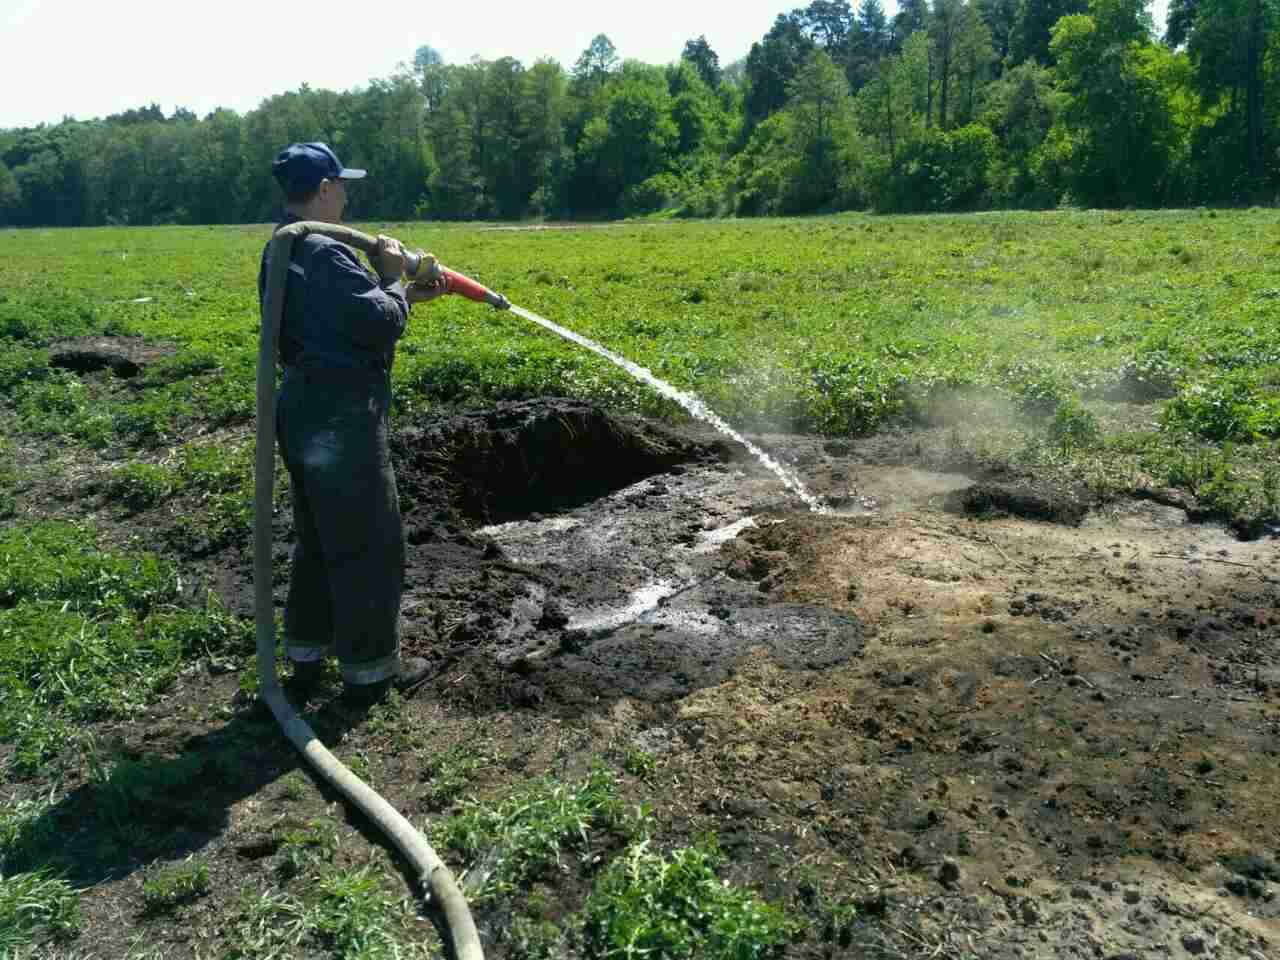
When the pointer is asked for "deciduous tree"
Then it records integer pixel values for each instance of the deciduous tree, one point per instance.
(1117, 125)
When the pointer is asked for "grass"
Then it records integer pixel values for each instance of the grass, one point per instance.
(346, 914)
(24, 832)
(1110, 351)
(836, 325)
(168, 889)
(447, 774)
(307, 847)
(36, 905)
(508, 844)
(645, 904)
(87, 634)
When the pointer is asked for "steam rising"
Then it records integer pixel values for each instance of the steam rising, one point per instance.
(687, 400)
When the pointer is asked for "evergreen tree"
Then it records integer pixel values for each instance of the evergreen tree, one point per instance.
(434, 76)
(1118, 131)
(820, 110)
(1228, 43)
(597, 61)
(945, 26)
(1032, 25)
(974, 56)
(772, 64)
(1000, 17)
(870, 40)
(912, 17)
(704, 60)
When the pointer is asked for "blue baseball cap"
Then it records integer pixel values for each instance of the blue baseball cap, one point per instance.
(306, 164)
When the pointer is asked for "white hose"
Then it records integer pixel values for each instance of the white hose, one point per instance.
(432, 872)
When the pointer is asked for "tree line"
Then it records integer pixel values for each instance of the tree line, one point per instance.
(949, 105)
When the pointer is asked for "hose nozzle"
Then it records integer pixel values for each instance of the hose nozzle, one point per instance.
(423, 266)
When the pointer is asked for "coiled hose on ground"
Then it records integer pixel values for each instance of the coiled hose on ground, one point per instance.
(432, 872)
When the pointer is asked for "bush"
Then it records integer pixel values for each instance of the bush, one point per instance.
(59, 562)
(20, 364)
(166, 890)
(1148, 375)
(1240, 405)
(522, 835)
(659, 192)
(844, 396)
(941, 171)
(141, 485)
(1073, 425)
(1037, 389)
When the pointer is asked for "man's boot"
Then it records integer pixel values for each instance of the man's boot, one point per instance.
(413, 671)
(306, 678)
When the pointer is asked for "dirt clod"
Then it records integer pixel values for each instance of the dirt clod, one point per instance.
(1193, 943)
(949, 872)
(1024, 501)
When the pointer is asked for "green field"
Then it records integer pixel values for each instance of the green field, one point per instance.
(1117, 350)
(833, 326)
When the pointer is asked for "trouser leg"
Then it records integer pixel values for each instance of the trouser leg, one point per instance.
(364, 557)
(342, 459)
(308, 611)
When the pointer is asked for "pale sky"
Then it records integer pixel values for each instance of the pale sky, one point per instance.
(90, 59)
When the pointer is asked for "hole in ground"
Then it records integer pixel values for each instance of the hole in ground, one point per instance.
(534, 456)
(123, 356)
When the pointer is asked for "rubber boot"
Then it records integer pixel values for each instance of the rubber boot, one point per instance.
(413, 671)
(306, 678)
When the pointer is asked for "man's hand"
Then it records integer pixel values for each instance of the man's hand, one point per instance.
(424, 291)
(389, 258)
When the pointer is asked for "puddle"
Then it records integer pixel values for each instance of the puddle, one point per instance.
(711, 540)
(532, 528)
(642, 601)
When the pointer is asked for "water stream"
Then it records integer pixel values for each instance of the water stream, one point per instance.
(687, 400)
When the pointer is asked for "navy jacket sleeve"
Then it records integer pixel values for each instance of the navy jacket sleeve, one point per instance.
(369, 315)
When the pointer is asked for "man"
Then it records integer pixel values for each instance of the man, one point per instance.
(337, 342)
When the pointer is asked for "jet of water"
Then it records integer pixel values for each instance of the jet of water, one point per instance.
(687, 400)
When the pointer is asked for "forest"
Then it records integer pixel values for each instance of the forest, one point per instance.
(949, 105)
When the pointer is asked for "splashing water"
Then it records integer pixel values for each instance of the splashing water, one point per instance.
(687, 400)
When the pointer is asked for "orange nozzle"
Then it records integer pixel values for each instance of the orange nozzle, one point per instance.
(424, 266)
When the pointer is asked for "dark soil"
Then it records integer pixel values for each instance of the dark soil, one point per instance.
(533, 457)
(1025, 501)
(1020, 728)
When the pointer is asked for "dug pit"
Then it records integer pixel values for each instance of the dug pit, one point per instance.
(588, 579)
(532, 457)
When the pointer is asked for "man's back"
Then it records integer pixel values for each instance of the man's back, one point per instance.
(336, 314)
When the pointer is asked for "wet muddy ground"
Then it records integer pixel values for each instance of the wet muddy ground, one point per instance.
(1071, 728)
(1008, 720)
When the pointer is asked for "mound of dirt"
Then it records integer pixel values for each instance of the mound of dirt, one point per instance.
(536, 456)
(123, 356)
(1025, 501)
